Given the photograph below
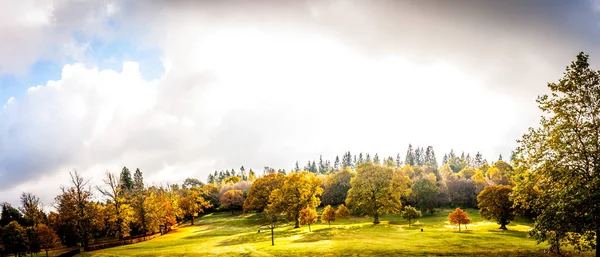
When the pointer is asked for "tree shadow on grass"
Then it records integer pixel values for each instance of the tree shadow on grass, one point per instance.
(315, 236)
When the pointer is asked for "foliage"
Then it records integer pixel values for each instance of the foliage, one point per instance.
(342, 212)
(377, 189)
(308, 216)
(424, 194)
(258, 195)
(191, 203)
(299, 191)
(328, 214)
(14, 238)
(47, 238)
(410, 214)
(120, 213)
(232, 200)
(459, 217)
(461, 192)
(31, 207)
(494, 204)
(563, 154)
(336, 186)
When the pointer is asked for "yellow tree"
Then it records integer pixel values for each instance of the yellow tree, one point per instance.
(299, 191)
(308, 217)
(120, 211)
(328, 215)
(376, 190)
(47, 237)
(192, 203)
(232, 200)
(342, 212)
(258, 195)
(459, 217)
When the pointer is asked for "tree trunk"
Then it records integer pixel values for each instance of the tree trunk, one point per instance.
(503, 226)
(376, 221)
(297, 225)
(192, 220)
(329, 223)
(597, 241)
(309, 228)
(232, 212)
(459, 227)
(46, 252)
(272, 237)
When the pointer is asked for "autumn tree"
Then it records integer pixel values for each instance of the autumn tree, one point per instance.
(120, 211)
(75, 209)
(192, 203)
(299, 191)
(410, 213)
(14, 238)
(563, 154)
(258, 195)
(424, 193)
(336, 186)
(328, 215)
(376, 190)
(232, 200)
(494, 204)
(47, 238)
(138, 200)
(342, 212)
(31, 207)
(308, 216)
(126, 182)
(459, 217)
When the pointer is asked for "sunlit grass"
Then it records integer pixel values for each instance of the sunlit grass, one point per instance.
(221, 234)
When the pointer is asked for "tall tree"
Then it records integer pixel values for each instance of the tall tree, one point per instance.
(31, 207)
(138, 201)
(297, 167)
(424, 193)
(336, 186)
(566, 147)
(398, 161)
(74, 207)
(410, 156)
(430, 159)
(376, 160)
(494, 204)
(126, 182)
(336, 164)
(258, 196)
(377, 190)
(299, 191)
(120, 210)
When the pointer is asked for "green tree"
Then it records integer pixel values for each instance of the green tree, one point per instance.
(566, 148)
(376, 160)
(328, 215)
(336, 186)
(410, 156)
(494, 204)
(424, 193)
(376, 190)
(14, 238)
(126, 182)
(299, 191)
(138, 201)
(410, 214)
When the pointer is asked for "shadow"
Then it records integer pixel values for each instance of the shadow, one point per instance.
(315, 236)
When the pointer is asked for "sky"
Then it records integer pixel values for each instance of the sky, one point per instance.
(183, 88)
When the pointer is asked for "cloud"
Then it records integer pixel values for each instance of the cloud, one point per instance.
(268, 84)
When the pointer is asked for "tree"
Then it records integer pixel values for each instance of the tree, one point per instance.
(376, 160)
(46, 236)
(336, 164)
(424, 194)
(232, 200)
(33, 241)
(9, 214)
(342, 212)
(566, 147)
(31, 207)
(257, 198)
(410, 156)
(193, 182)
(308, 216)
(377, 190)
(14, 238)
(494, 204)
(459, 217)
(191, 203)
(410, 214)
(75, 209)
(126, 182)
(299, 191)
(328, 215)
(461, 192)
(120, 210)
(336, 186)
(272, 215)
(139, 198)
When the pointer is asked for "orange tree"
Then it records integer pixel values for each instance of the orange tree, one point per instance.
(459, 217)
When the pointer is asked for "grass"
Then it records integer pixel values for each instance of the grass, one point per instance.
(221, 234)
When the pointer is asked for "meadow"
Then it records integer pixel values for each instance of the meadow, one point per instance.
(223, 234)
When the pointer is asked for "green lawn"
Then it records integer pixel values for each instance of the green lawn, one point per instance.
(222, 234)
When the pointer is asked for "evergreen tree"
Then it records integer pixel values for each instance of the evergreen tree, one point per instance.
(243, 174)
(297, 168)
(322, 168)
(398, 161)
(346, 160)
(430, 159)
(376, 160)
(445, 159)
(478, 159)
(360, 159)
(368, 158)
(336, 164)
(500, 157)
(126, 181)
(410, 156)
(419, 157)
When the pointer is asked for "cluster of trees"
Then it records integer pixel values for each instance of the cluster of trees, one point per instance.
(554, 178)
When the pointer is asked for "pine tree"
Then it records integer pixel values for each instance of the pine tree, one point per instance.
(368, 158)
(419, 156)
(336, 164)
(322, 169)
(410, 156)
(445, 159)
(398, 161)
(478, 159)
(376, 160)
(243, 174)
(500, 157)
(297, 168)
(360, 159)
(126, 182)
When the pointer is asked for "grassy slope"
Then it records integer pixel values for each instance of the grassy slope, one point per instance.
(225, 235)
